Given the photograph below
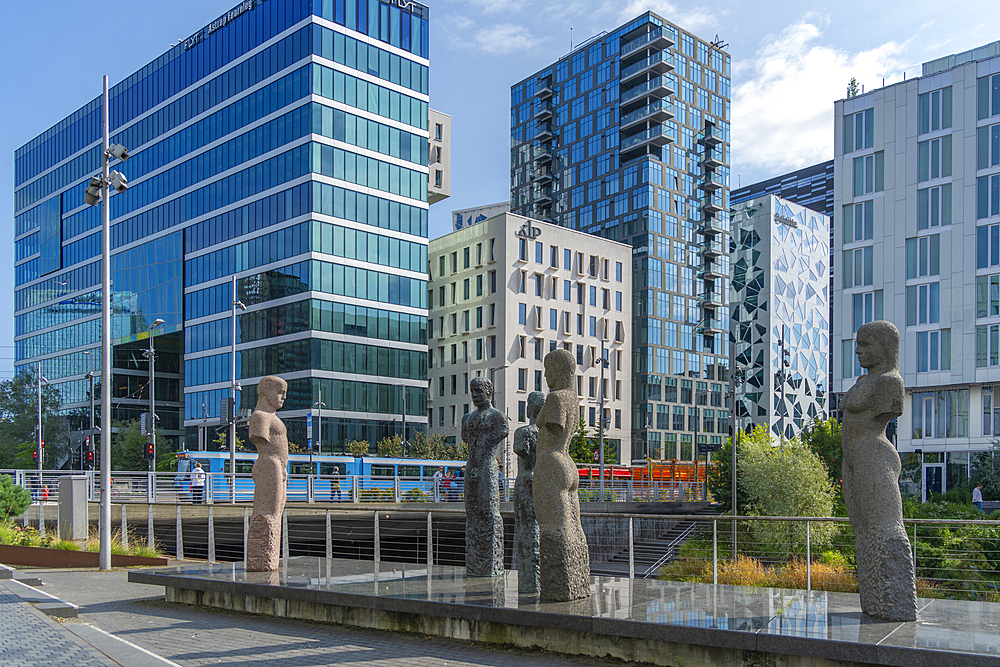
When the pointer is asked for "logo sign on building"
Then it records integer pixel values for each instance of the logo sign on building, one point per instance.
(528, 231)
(221, 22)
(473, 216)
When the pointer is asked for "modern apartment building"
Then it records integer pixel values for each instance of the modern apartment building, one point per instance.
(917, 243)
(780, 306)
(627, 138)
(284, 145)
(507, 291)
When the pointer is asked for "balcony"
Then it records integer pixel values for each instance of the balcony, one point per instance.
(710, 271)
(711, 250)
(544, 132)
(542, 112)
(542, 196)
(645, 93)
(658, 63)
(541, 177)
(710, 299)
(711, 227)
(544, 90)
(713, 203)
(654, 39)
(712, 326)
(658, 135)
(712, 160)
(711, 181)
(543, 154)
(711, 136)
(657, 112)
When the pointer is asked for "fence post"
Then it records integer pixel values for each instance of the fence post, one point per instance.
(211, 536)
(631, 552)
(41, 519)
(430, 557)
(246, 531)
(378, 555)
(180, 536)
(329, 537)
(354, 489)
(311, 489)
(124, 529)
(149, 526)
(715, 551)
(809, 585)
(209, 490)
(914, 553)
(150, 487)
(628, 493)
(437, 490)
(395, 489)
(284, 534)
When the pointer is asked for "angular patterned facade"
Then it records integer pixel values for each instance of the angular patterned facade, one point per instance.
(627, 137)
(780, 304)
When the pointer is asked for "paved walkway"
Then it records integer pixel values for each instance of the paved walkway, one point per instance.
(196, 636)
(31, 638)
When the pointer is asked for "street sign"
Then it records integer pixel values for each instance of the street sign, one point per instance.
(597, 455)
(705, 448)
(309, 431)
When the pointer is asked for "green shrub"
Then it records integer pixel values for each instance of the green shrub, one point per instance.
(13, 499)
(415, 496)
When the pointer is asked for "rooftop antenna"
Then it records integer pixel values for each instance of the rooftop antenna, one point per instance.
(718, 44)
(571, 39)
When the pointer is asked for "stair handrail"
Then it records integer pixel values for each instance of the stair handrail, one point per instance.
(670, 549)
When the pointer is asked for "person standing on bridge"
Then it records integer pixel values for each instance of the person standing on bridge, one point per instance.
(198, 483)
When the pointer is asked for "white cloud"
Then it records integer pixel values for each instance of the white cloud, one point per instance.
(691, 19)
(782, 109)
(506, 7)
(498, 39)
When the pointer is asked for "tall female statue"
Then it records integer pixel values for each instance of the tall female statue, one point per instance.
(270, 476)
(525, 441)
(483, 429)
(871, 478)
(564, 560)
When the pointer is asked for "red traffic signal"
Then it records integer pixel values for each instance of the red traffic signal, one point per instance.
(34, 457)
(148, 451)
(88, 459)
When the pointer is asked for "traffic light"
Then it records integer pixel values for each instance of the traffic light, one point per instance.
(88, 459)
(148, 451)
(34, 457)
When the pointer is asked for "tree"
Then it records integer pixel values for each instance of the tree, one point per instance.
(128, 445)
(790, 480)
(823, 438)
(853, 88)
(986, 471)
(390, 447)
(720, 477)
(19, 419)
(13, 499)
(582, 447)
(357, 448)
(222, 442)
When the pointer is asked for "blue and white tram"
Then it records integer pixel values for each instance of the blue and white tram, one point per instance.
(334, 477)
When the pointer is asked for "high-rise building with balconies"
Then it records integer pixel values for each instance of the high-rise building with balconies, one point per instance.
(627, 137)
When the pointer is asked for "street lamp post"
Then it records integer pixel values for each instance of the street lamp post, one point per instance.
(234, 386)
(319, 405)
(41, 440)
(507, 442)
(98, 192)
(735, 381)
(90, 376)
(603, 362)
(150, 354)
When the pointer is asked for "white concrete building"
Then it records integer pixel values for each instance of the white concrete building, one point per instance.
(780, 305)
(507, 291)
(917, 243)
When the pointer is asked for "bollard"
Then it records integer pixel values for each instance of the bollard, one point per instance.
(378, 555)
(41, 519)
(284, 534)
(809, 586)
(246, 531)
(430, 553)
(631, 552)
(180, 535)
(149, 527)
(329, 539)
(715, 551)
(211, 536)
(124, 530)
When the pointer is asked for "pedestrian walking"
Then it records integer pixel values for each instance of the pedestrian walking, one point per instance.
(977, 497)
(198, 483)
(335, 485)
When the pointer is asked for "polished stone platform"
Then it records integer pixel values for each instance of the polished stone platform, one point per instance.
(659, 622)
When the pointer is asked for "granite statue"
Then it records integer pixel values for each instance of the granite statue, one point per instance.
(564, 562)
(525, 441)
(483, 430)
(871, 469)
(270, 476)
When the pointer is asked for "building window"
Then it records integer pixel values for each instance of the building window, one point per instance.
(539, 348)
(987, 196)
(438, 131)
(521, 411)
(493, 347)
(923, 256)
(934, 206)
(859, 222)
(934, 110)
(538, 252)
(934, 351)
(988, 96)
(987, 296)
(869, 172)
(987, 146)
(538, 380)
(858, 269)
(522, 314)
(933, 159)
(988, 346)
(465, 289)
(991, 413)
(493, 282)
(867, 308)
(859, 130)
(493, 314)
(941, 414)
(479, 349)
(923, 303)
(437, 178)
(454, 262)
(539, 278)
(522, 250)
(553, 319)
(522, 379)
(553, 257)
(523, 285)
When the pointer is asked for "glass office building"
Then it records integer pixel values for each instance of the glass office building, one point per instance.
(284, 144)
(627, 137)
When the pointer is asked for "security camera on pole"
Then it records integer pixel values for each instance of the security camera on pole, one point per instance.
(98, 192)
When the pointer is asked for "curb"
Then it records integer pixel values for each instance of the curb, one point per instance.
(42, 601)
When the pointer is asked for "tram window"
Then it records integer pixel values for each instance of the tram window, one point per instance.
(383, 471)
(183, 465)
(409, 471)
(296, 468)
(242, 467)
(331, 469)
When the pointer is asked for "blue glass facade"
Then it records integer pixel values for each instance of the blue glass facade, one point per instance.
(285, 143)
(627, 137)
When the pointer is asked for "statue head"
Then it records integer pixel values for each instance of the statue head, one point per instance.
(560, 367)
(878, 347)
(536, 400)
(271, 393)
(482, 392)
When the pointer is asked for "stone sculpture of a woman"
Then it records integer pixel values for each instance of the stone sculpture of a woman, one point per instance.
(270, 476)
(564, 565)
(525, 441)
(871, 478)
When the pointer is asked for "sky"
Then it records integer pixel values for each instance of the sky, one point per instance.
(791, 61)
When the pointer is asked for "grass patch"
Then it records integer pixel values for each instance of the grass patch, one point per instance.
(24, 536)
